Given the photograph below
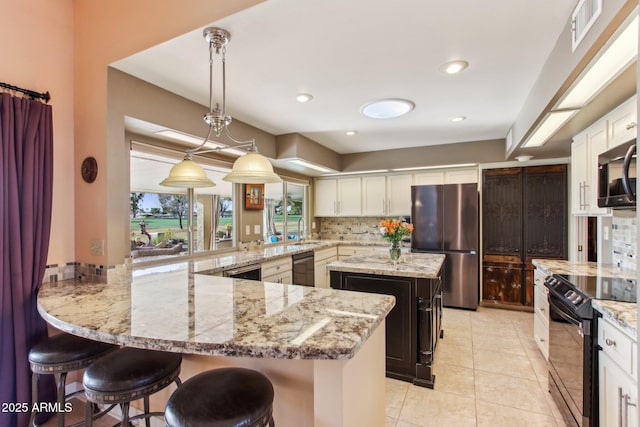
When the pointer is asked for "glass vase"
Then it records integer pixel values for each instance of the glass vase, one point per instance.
(394, 252)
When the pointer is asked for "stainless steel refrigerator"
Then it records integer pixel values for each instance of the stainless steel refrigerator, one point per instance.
(445, 220)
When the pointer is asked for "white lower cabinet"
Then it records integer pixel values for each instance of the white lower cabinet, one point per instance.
(350, 250)
(618, 379)
(278, 271)
(541, 316)
(322, 257)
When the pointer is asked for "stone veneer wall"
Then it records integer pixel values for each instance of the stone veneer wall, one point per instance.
(624, 242)
(350, 228)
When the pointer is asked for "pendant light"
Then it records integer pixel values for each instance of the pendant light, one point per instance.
(250, 168)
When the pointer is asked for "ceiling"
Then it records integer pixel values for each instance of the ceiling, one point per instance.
(348, 53)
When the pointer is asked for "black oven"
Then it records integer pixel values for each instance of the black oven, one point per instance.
(573, 341)
(572, 367)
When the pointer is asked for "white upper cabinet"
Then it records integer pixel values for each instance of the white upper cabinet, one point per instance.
(617, 127)
(623, 123)
(386, 195)
(338, 197)
(461, 175)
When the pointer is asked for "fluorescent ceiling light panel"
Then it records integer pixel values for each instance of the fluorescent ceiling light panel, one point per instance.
(549, 126)
(197, 141)
(185, 137)
(419, 168)
(311, 165)
(358, 172)
(622, 52)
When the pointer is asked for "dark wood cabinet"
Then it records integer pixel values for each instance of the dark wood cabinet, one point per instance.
(524, 217)
(412, 327)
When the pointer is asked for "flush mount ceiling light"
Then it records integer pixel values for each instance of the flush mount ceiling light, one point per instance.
(454, 67)
(524, 157)
(304, 97)
(251, 168)
(351, 132)
(387, 108)
(458, 119)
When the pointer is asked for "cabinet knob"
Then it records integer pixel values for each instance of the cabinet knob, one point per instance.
(610, 342)
(631, 125)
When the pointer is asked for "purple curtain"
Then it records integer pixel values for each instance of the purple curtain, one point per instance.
(26, 181)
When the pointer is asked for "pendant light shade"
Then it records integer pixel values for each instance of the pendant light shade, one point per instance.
(252, 168)
(187, 174)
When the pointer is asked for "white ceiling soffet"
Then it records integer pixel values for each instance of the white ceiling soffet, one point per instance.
(349, 52)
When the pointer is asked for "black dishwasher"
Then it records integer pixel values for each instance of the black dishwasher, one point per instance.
(303, 269)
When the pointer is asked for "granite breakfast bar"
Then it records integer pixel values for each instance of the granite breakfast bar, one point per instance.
(322, 349)
(415, 324)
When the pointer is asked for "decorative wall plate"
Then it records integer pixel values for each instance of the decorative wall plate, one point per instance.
(89, 169)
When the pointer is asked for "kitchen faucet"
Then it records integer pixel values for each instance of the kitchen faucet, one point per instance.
(300, 236)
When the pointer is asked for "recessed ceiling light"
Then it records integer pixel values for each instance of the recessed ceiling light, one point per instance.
(454, 67)
(304, 97)
(458, 119)
(351, 132)
(387, 108)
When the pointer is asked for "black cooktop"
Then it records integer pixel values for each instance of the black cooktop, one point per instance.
(606, 288)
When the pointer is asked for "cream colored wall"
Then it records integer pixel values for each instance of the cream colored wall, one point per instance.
(36, 41)
(103, 33)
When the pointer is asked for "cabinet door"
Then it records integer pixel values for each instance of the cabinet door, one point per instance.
(326, 197)
(349, 197)
(321, 274)
(374, 201)
(623, 123)
(399, 194)
(545, 210)
(401, 351)
(579, 175)
(429, 178)
(597, 145)
(461, 176)
(502, 211)
(618, 395)
(502, 283)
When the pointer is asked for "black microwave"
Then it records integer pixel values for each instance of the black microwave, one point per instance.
(617, 177)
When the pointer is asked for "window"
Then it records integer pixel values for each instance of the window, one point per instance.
(159, 214)
(285, 211)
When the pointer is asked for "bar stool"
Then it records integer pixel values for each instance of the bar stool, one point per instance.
(225, 397)
(126, 375)
(61, 354)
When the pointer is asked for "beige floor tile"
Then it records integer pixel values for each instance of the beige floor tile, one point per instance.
(407, 424)
(395, 393)
(77, 415)
(459, 355)
(492, 415)
(456, 336)
(454, 379)
(498, 362)
(511, 391)
(493, 326)
(426, 407)
(391, 422)
(506, 344)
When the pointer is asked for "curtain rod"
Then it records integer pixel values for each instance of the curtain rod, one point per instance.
(30, 93)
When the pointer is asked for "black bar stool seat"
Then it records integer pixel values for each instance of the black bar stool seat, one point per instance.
(129, 374)
(61, 354)
(225, 397)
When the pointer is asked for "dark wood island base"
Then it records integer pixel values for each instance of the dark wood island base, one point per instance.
(413, 326)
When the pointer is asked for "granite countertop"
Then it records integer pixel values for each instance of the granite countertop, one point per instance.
(410, 265)
(231, 260)
(171, 309)
(623, 314)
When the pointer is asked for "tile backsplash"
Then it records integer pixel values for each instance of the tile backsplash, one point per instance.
(624, 239)
(350, 228)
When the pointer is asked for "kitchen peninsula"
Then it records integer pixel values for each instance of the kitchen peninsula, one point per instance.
(415, 323)
(322, 349)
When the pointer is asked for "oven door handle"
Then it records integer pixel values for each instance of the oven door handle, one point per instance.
(557, 309)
